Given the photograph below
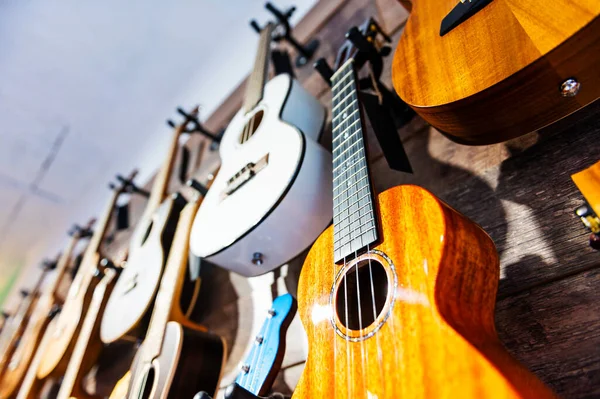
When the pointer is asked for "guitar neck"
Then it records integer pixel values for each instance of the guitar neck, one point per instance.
(257, 79)
(354, 221)
(161, 182)
(88, 336)
(61, 267)
(169, 292)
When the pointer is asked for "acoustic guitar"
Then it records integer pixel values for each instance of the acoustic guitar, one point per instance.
(133, 295)
(11, 337)
(397, 297)
(65, 328)
(273, 170)
(39, 320)
(177, 358)
(484, 71)
(88, 344)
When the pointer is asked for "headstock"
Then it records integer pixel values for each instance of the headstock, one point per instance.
(49, 264)
(283, 31)
(191, 124)
(82, 231)
(365, 43)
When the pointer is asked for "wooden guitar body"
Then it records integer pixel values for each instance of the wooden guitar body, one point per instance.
(434, 276)
(134, 292)
(65, 328)
(21, 359)
(190, 361)
(498, 74)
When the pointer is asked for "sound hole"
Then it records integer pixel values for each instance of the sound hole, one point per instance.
(147, 385)
(251, 126)
(361, 294)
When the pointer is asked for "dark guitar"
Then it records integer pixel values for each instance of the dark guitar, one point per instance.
(397, 297)
(485, 71)
(133, 295)
(177, 358)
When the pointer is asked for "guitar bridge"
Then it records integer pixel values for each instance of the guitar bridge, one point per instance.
(244, 176)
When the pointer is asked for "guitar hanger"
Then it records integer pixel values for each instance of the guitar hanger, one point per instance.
(193, 125)
(283, 31)
(386, 111)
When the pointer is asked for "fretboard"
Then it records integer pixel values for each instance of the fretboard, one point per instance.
(256, 81)
(354, 221)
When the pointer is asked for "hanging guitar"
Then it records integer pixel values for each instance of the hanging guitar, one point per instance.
(39, 319)
(484, 71)
(263, 362)
(177, 357)
(397, 297)
(133, 295)
(65, 328)
(273, 170)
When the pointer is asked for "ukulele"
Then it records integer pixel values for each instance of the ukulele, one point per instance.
(88, 345)
(134, 292)
(273, 170)
(485, 71)
(397, 297)
(39, 320)
(177, 357)
(17, 324)
(65, 328)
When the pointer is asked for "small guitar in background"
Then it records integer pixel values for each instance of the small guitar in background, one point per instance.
(273, 171)
(264, 360)
(177, 357)
(11, 338)
(485, 71)
(46, 306)
(132, 298)
(588, 182)
(64, 329)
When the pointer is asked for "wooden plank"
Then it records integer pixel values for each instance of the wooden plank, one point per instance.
(555, 331)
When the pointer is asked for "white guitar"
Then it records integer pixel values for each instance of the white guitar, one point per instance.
(272, 196)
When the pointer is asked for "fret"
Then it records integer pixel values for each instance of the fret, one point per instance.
(353, 210)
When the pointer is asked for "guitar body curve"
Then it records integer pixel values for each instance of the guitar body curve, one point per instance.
(23, 355)
(190, 361)
(294, 184)
(134, 292)
(435, 336)
(65, 327)
(498, 74)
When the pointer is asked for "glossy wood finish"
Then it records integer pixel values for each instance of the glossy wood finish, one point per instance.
(88, 345)
(588, 182)
(182, 357)
(497, 75)
(439, 340)
(38, 322)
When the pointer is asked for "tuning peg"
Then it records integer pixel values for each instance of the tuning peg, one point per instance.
(24, 293)
(130, 187)
(49, 264)
(108, 264)
(54, 311)
(196, 185)
(255, 26)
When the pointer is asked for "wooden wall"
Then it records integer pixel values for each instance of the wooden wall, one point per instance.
(520, 192)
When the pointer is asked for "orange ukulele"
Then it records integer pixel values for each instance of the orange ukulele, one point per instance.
(65, 328)
(39, 320)
(485, 71)
(397, 297)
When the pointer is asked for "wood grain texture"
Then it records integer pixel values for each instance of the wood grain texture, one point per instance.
(497, 75)
(439, 338)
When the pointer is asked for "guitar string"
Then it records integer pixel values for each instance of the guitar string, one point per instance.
(261, 346)
(349, 355)
(360, 327)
